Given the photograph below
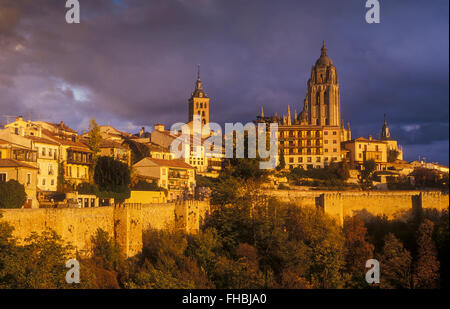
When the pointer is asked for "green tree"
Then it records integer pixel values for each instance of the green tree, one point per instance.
(112, 178)
(392, 155)
(38, 264)
(366, 173)
(282, 163)
(95, 137)
(12, 194)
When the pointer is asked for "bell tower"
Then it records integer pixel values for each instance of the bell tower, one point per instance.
(322, 101)
(199, 102)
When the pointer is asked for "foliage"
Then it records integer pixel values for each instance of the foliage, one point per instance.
(112, 178)
(358, 250)
(143, 185)
(38, 264)
(366, 173)
(282, 163)
(12, 194)
(392, 155)
(395, 262)
(426, 267)
(95, 137)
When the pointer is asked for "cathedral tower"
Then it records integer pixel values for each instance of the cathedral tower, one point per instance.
(199, 102)
(322, 102)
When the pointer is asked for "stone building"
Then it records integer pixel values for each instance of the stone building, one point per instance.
(176, 176)
(25, 174)
(312, 138)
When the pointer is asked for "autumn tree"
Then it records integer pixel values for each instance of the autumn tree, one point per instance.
(395, 264)
(426, 266)
(358, 251)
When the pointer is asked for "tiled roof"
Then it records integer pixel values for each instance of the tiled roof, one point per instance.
(63, 126)
(65, 141)
(168, 163)
(41, 140)
(111, 144)
(14, 163)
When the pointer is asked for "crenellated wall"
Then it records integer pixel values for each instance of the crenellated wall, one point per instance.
(123, 222)
(392, 204)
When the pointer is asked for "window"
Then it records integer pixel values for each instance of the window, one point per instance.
(300, 160)
(334, 150)
(309, 159)
(326, 149)
(43, 151)
(376, 148)
(326, 141)
(318, 159)
(164, 171)
(334, 141)
(52, 182)
(326, 132)
(334, 132)
(291, 160)
(43, 182)
(28, 179)
(2, 177)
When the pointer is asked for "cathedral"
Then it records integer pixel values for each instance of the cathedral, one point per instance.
(312, 138)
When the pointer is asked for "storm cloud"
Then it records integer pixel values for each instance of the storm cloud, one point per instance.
(132, 63)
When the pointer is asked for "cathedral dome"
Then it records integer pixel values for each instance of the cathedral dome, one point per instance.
(324, 60)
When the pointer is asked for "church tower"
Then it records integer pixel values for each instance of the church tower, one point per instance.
(385, 134)
(199, 102)
(322, 101)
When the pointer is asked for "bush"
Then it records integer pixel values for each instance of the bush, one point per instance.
(12, 194)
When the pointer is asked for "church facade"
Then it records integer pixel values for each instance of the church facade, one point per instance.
(312, 138)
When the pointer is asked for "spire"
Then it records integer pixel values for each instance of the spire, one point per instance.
(295, 116)
(385, 134)
(262, 112)
(198, 91)
(323, 49)
(289, 120)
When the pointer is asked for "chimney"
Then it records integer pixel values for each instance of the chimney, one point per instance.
(370, 137)
(159, 127)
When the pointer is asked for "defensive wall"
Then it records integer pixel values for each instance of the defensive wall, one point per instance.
(125, 223)
(348, 203)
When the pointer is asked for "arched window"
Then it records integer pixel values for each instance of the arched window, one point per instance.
(201, 105)
(203, 113)
(204, 121)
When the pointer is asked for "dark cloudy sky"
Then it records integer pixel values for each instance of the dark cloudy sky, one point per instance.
(132, 63)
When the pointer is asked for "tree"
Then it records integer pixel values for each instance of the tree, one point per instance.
(95, 137)
(392, 155)
(12, 194)
(282, 163)
(395, 264)
(426, 268)
(366, 173)
(38, 264)
(113, 178)
(358, 250)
